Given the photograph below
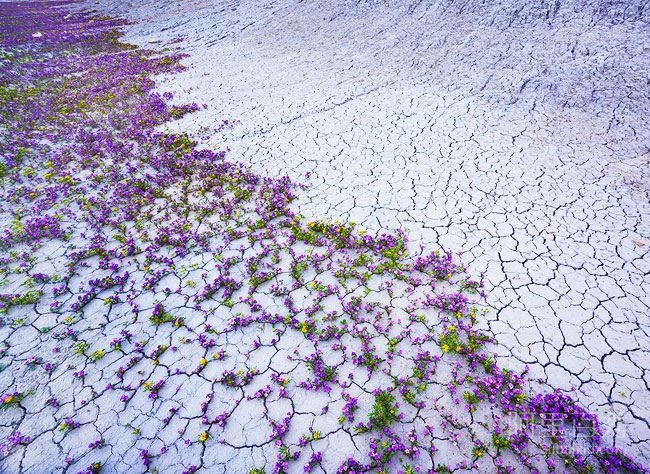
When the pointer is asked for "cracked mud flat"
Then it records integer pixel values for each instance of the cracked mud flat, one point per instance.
(515, 136)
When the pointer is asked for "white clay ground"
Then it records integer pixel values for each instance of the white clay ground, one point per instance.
(514, 135)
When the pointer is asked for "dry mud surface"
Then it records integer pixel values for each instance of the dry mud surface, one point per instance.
(512, 133)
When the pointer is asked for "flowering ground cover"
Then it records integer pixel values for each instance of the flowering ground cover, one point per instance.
(167, 310)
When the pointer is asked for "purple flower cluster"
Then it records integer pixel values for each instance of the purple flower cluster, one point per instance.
(557, 408)
(13, 440)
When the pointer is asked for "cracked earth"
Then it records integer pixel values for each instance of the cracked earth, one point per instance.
(308, 334)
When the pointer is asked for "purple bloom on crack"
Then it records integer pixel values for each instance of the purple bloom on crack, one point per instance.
(13, 440)
(280, 428)
(146, 458)
(453, 302)
(314, 460)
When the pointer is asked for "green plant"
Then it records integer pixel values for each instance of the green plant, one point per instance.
(384, 411)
